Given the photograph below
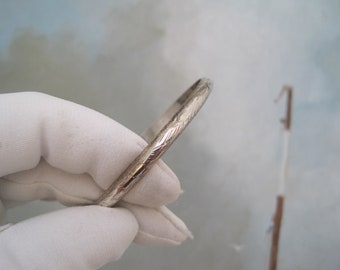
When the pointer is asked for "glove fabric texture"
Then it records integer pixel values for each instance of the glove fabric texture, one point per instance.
(53, 149)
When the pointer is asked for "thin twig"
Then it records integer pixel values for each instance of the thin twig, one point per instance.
(277, 218)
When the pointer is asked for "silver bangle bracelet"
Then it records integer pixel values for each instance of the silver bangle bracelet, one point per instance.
(159, 137)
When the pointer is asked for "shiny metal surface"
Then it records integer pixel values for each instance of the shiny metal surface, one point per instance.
(159, 136)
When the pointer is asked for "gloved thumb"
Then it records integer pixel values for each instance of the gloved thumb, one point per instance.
(85, 237)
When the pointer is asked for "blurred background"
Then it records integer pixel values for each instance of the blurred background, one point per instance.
(131, 59)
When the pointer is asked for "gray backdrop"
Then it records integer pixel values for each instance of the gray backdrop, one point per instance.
(131, 59)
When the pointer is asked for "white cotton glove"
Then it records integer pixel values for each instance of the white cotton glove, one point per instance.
(54, 149)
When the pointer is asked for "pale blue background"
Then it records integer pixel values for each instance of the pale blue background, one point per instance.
(131, 59)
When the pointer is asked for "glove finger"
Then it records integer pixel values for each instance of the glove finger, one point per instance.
(76, 140)
(158, 226)
(85, 237)
(45, 182)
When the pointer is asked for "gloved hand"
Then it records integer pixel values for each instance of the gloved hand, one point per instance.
(54, 149)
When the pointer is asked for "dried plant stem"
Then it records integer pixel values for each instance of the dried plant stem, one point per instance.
(277, 219)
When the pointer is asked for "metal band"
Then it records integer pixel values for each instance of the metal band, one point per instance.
(159, 136)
